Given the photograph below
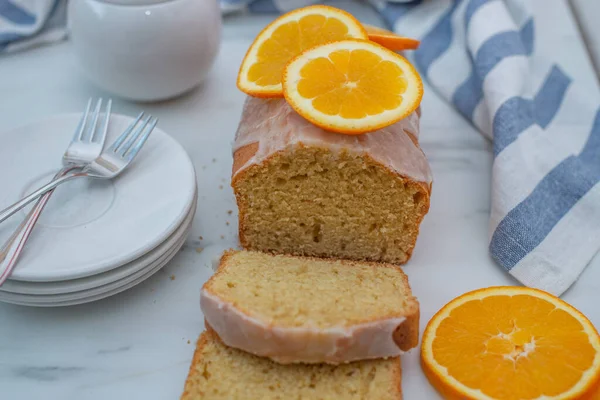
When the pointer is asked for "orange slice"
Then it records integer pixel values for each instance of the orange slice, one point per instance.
(390, 39)
(511, 343)
(596, 393)
(285, 38)
(352, 86)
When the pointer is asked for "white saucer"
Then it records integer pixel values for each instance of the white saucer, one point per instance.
(89, 226)
(95, 281)
(34, 302)
(100, 292)
(104, 290)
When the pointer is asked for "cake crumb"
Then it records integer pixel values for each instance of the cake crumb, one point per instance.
(220, 186)
(200, 237)
(188, 341)
(199, 249)
(172, 277)
(222, 237)
(229, 212)
(227, 223)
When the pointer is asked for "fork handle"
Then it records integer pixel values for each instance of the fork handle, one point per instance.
(11, 251)
(7, 212)
(39, 206)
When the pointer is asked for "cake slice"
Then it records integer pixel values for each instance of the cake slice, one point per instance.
(218, 372)
(298, 309)
(302, 190)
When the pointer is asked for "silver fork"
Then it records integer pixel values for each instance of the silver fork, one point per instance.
(108, 165)
(87, 144)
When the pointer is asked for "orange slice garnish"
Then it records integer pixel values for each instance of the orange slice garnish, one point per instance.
(390, 39)
(352, 86)
(511, 343)
(286, 37)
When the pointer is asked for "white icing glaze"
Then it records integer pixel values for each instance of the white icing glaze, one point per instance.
(300, 344)
(275, 126)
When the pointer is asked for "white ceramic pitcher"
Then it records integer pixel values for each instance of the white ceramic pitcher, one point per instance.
(145, 49)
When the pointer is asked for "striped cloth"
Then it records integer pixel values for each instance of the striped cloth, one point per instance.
(28, 23)
(480, 56)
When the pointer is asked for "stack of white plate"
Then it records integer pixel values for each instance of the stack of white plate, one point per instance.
(95, 238)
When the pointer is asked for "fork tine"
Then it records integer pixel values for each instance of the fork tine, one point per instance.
(102, 137)
(81, 126)
(115, 146)
(138, 146)
(92, 129)
(134, 136)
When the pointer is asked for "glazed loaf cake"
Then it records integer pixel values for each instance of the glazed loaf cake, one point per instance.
(218, 372)
(304, 191)
(299, 309)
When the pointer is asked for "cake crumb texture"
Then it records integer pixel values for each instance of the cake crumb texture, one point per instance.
(312, 201)
(294, 291)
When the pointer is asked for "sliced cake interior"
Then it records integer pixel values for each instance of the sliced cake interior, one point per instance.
(218, 372)
(312, 201)
(302, 309)
(301, 291)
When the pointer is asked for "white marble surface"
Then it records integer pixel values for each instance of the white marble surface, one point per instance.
(139, 344)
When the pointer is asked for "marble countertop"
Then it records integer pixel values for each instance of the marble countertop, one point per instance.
(139, 344)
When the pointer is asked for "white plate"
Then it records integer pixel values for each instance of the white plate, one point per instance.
(98, 292)
(116, 290)
(94, 281)
(92, 226)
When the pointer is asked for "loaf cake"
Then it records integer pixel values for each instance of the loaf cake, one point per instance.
(304, 191)
(218, 372)
(310, 310)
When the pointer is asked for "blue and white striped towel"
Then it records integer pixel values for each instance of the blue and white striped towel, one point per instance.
(480, 56)
(29, 23)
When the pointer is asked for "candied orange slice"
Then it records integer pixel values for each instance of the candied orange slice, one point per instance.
(390, 39)
(286, 37)
(511, 343)
(352, 86)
